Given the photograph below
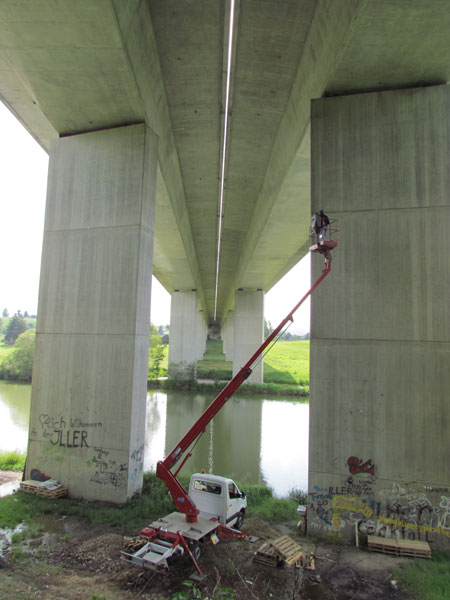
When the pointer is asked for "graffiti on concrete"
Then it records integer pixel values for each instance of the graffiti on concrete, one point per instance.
(67, 432)
(108, 471)
(356, 465)
(353, 486)
(136, 466)
(399, 512)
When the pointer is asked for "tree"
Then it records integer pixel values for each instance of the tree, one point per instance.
(26, 315)
(5, 313)
(19, 363)
(267, 329)
(17, 325)
(155, 354)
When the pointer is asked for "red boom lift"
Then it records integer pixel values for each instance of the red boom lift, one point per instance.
(183, 530)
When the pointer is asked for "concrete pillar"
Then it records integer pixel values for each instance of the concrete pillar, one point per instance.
(228, 336)
(202, 332)
(380, 349)
(248, 330)
(90, 369)
(186, 329)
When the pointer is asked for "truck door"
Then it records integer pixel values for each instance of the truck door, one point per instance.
(235, 504)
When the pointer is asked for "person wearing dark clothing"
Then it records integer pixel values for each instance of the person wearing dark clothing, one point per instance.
(324, 222)
(316, 223)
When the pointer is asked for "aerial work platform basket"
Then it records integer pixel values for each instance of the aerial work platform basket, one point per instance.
(326, 240)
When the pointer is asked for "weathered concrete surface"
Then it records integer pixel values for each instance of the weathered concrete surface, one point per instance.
(187, 329)
(89, 374)
(227, 333)
(248, 331)
(380, 350)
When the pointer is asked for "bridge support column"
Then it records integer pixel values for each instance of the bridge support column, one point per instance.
(187, 330)
(248, 330)
(380, 322)
(90, 369)
(228, 336)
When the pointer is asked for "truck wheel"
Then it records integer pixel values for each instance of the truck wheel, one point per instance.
(239, 521)
(196, 549)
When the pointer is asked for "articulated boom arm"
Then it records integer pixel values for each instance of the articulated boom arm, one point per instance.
(182, 501)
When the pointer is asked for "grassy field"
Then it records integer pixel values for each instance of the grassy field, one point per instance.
(287, 362)
(427, 579)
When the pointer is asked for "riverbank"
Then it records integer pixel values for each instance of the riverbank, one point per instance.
(211, 385)
(71, 549)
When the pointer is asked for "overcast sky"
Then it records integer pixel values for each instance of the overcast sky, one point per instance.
(23, 182)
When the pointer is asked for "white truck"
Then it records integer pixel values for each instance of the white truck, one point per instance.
(221, 507)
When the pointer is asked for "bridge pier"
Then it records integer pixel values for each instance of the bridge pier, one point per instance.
(248, 330)
(228, 336)
(90, 370)
(380, 341)
(187, 329)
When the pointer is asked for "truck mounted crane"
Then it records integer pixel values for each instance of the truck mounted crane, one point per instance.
(214, 505)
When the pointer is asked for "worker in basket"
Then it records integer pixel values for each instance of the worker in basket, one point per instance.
(319, 225)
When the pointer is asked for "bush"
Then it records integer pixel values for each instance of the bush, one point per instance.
(18, 364)
(182, 375)
(12, 461)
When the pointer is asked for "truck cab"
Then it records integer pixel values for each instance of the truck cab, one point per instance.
(219, 498)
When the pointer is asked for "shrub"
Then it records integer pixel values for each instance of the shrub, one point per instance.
(18, 364)
(12, 461)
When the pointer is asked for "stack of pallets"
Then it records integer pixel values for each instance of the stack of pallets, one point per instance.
(396, 547)
(281, 551)
(40, 489)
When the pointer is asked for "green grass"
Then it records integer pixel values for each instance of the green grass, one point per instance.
(214, 365)
(137, 512)
(12, 461)
(286, 363)
(427, 579)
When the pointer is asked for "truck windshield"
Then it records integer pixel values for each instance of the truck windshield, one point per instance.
(206, 486)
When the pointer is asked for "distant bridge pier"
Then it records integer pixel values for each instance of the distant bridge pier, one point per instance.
(380, 324)
(248, 331)
(228, 336)
(87, 420)
(188, 329)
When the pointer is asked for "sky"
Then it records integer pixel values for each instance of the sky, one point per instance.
(23, 184)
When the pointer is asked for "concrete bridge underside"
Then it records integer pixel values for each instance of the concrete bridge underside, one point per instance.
(128, 98)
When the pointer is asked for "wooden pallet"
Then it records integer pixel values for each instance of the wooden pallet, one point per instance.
(396, 547)
(29, 486)
(57, 493)
(307, 562)
(34, 487)
(283, 550)
(287, 550)
(266, 555)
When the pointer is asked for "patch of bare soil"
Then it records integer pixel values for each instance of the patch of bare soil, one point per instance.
(9, 480)
(78, 561)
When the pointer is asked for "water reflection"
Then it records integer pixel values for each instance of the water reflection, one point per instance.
(251, 439)
(14, 416)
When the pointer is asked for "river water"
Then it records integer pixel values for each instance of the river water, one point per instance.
(252, 439)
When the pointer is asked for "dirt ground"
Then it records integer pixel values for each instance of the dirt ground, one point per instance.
(73, 560)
